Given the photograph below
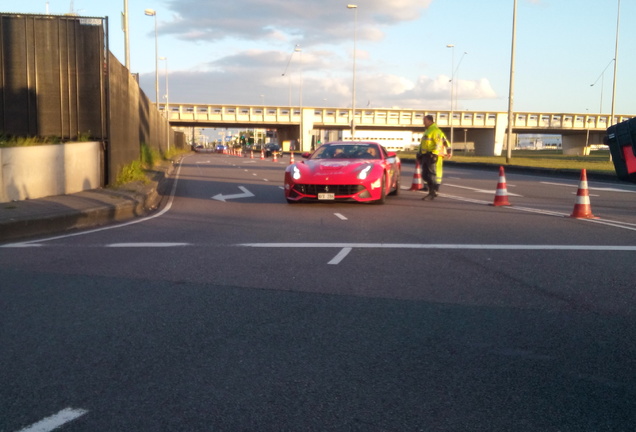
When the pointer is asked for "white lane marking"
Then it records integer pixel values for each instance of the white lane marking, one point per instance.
(616, 248)
(615, 224)
(589, 194)
(479, 190)
(245, 194)
(340, 216)
(145, 245)
(341, 255)
(19, 245)
(55, 421)
(607, 189)
(132, 222)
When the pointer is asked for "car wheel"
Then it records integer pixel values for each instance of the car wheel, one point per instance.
(397, 187)
(382, 199)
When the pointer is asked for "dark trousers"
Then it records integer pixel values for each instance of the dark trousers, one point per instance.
(428, 162)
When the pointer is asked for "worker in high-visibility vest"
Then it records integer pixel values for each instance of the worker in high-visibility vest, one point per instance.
(433, 148)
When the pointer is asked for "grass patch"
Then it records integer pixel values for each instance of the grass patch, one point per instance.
(133, 172)
(11, 141)
(598, 161)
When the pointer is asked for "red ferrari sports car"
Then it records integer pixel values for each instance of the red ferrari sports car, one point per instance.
(344, 171)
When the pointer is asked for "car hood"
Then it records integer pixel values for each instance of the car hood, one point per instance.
(334, 167)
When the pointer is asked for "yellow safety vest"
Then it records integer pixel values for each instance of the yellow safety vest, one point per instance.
(432, 140)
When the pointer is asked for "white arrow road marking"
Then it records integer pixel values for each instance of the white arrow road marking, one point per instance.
(55, 421)
(245, 194)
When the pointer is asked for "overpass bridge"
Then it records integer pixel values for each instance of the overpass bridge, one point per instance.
(486, 129)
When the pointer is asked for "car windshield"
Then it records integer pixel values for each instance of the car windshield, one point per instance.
(338, 151)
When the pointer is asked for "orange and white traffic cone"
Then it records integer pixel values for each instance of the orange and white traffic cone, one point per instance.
(274, 156)
(417, 177)
(262, 154)
(251, 154)
(501, 195)
(291, 158)
(582, 208)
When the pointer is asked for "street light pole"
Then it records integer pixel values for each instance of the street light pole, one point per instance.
(167, 108)
(452, 81)
(512, 84)
(296, 49)
(602, 78)
(353, 90)
(153, 13)
(618, 17)
(126, 38)
(300, 100)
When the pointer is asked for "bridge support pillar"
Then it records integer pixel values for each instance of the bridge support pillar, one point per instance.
(307, 125)
(578, 144)
(292, 133)
(487, 143)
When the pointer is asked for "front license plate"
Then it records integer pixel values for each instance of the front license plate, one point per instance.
(326, 196)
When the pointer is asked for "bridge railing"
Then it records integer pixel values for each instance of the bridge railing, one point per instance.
(382, 117)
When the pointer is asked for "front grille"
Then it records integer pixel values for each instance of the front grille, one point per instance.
(338, 190)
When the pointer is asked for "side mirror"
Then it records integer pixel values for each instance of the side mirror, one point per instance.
(305, 155)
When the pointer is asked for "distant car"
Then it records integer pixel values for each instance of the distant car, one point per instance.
(344, 171)
(272, 148)
(220, 148)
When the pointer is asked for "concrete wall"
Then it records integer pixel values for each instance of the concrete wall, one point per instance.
(39, 171)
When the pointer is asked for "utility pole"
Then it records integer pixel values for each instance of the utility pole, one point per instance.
(126, 39)
(512, 84)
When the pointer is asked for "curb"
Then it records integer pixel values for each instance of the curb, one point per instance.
(87, 209)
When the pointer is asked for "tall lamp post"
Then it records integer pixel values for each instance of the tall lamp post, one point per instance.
(296, 49)
(300, 100)
(602, 78)
(126, 38)
(153, 13)
(452, 82)
(353, 90)
(512, 83)
(167, 108)
(618, 17)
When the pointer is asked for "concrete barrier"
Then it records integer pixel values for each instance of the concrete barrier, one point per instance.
(46, 170)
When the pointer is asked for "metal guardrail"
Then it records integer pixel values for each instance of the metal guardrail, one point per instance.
(382, 117)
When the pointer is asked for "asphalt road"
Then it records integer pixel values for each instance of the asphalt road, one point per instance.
(231, 310)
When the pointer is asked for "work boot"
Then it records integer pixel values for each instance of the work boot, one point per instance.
(430, 195)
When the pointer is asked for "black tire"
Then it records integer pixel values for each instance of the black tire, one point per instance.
(382, 199)
(396, 192)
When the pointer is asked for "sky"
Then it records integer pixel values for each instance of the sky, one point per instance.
(300, 52)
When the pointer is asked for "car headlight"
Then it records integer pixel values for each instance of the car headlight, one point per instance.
(364, 173)
(296, 173)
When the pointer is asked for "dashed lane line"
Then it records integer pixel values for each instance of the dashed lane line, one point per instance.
(56, 420)
(341, 255)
